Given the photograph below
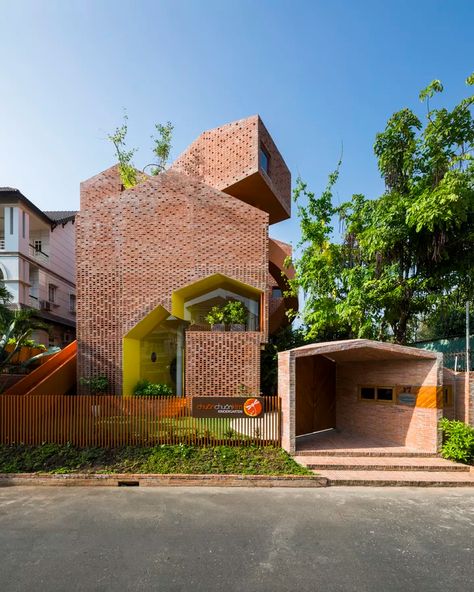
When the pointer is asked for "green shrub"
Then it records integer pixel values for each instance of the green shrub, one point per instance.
(95, 384)
(215, 316)
(235, 313)
(458, 441)
(145, 388)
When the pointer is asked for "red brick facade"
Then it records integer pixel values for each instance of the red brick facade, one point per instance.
(235, 356)
(227, 158)
(366, 363)
(136, 247)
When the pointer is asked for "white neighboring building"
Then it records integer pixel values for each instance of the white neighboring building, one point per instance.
(37, 262)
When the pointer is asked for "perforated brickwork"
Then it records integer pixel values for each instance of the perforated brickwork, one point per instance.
(226, 155)
(135, 247)
(236, 356)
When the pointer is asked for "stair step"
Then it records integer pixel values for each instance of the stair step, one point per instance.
(398, 478)
(366, 453)
(333, 463)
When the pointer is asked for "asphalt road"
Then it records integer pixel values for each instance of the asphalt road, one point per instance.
(242, 540)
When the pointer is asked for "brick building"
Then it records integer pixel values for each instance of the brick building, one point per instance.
(380, 394)
(153, 259)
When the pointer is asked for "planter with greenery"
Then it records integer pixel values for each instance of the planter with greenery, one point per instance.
(145, 388)
(235, 315)
(215, 317)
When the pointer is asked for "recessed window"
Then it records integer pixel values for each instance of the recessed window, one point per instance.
(52, 293)
(72, 303)
(384, 394)
(367, 393)
(448, 396)
(277, 293)
(264, 159)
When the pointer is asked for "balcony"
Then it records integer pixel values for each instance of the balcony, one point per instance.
(38, 255)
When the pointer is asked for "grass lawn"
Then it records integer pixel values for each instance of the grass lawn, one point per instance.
(54, 458)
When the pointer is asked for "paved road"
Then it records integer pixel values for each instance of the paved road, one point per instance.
(242, 540)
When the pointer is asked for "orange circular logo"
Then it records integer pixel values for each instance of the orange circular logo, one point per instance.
(252, 407)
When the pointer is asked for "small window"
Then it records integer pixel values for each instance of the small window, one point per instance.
(52, 293)
(264, 160)
(38, 246)
(277, 293)
(72, 303)
(367, 393)
(448, 396)
(23, 223)
(384, 394)
(11, 220)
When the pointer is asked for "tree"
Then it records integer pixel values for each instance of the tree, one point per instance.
(16, 333)
(408, 251)
(129, 175)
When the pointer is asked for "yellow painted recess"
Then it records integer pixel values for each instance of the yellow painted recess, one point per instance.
(218, 280)
(131, 341)
(131, 348)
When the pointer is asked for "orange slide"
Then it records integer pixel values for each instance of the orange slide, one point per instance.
(55, 377)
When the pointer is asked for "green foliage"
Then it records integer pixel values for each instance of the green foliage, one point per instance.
(162, 145)
(286, 338)
(17, 333)
(215, 316)
(145, 388)
(404, 253)
(54, 458)
(95, 384)
(458, 440)
(128, 172)
(235, 313)
(161, 149)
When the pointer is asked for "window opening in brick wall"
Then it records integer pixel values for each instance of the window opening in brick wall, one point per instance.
(277, 293)
(382, 394)
(448, 396)
(264, 159)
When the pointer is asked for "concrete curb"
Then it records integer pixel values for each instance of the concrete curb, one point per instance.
(156, 480)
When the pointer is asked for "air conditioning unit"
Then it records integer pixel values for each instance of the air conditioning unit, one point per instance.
(45, 305)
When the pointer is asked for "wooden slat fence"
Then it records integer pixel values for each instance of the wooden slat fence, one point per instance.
(109, 421)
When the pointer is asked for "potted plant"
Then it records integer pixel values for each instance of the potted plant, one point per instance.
(215, 318)
(235, 315)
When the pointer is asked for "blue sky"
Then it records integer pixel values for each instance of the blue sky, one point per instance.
(322, 74)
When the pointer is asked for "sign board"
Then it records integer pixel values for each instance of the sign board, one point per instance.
(227, 407)
(407, 398)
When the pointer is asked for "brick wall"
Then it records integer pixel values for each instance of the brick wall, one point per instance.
(135, 247)
(217, 363)
(227, 155)
(414, 427)
(463, 387)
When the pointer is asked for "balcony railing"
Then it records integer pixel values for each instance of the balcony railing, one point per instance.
(38, 254)
(34, 302)
(2, 244)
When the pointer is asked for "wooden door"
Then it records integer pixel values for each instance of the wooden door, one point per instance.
(315, 394)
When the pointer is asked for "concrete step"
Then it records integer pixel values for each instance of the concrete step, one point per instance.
(366, 453)
(398, 478)
(335, 463)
